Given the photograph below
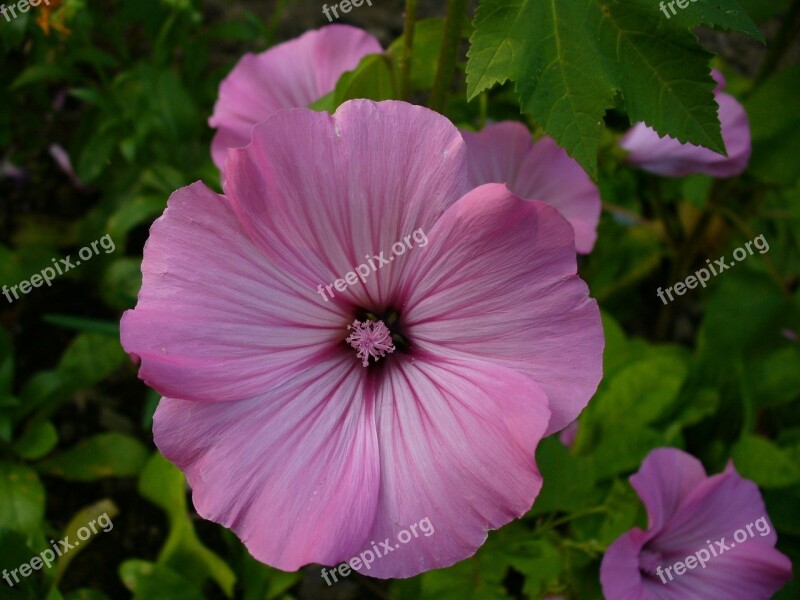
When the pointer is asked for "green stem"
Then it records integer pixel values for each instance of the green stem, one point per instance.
(408, 45)
(451, 44)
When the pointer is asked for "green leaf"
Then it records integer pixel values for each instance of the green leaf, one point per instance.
(82, 529)
(428, 36)
(149, 581)
(569, 481)
(570, 58)
(121, 283)
(90, 358)
(83, 324)
(22, 500)
(37, 441)
(15, 551)
(101, 456)
(722, 14)
(164, 485)
(765, 463)
(372, 79)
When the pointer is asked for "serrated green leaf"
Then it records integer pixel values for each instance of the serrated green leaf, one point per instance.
(569, 59)
(722, 14)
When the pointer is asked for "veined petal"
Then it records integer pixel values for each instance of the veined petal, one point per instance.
(215, 319)
(457, 441)
(293, 472)
(498, 283)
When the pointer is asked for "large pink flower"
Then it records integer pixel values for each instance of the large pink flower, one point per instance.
(667, 156)
(718, 521)
(295, 73)
(283, 433)
(504, 153)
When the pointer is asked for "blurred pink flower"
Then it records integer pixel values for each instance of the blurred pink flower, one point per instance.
(504, 153)
(667, 156)
(284, 435)
(289, 75)
(689, 512)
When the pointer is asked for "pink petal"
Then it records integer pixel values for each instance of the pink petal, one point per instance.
(289, 75)
(293, 472)
(322, 204)
(619, 570)
(457, 442)
(498, 283)
(715, 508)
(664, 481)
(667, 156)
(504, 153)
(215, 320)
(750, 571)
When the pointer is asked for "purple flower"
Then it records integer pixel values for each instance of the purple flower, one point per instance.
(667, 156)
(707, 537)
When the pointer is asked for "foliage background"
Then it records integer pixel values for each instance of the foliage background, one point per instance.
(126, 88)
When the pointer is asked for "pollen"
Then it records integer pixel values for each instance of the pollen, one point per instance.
(370, 338)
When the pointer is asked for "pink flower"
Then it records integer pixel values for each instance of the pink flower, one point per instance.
(504, 153)
(692, 515)
(289, 75)
(284, 435)
(667, 156)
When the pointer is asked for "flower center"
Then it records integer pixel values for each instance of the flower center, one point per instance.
(649, 561)
(370, 338)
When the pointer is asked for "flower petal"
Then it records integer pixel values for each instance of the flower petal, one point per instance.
(619, 571)
(215, 320)
(716, 507)
(289, 75)
(457, 440)
(325, 203)
(664, 481)
(747, 572)
(503, 153)
(498, 283)
(293, 472)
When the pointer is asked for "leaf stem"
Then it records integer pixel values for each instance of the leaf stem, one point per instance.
(408, 45)
(454, 22)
